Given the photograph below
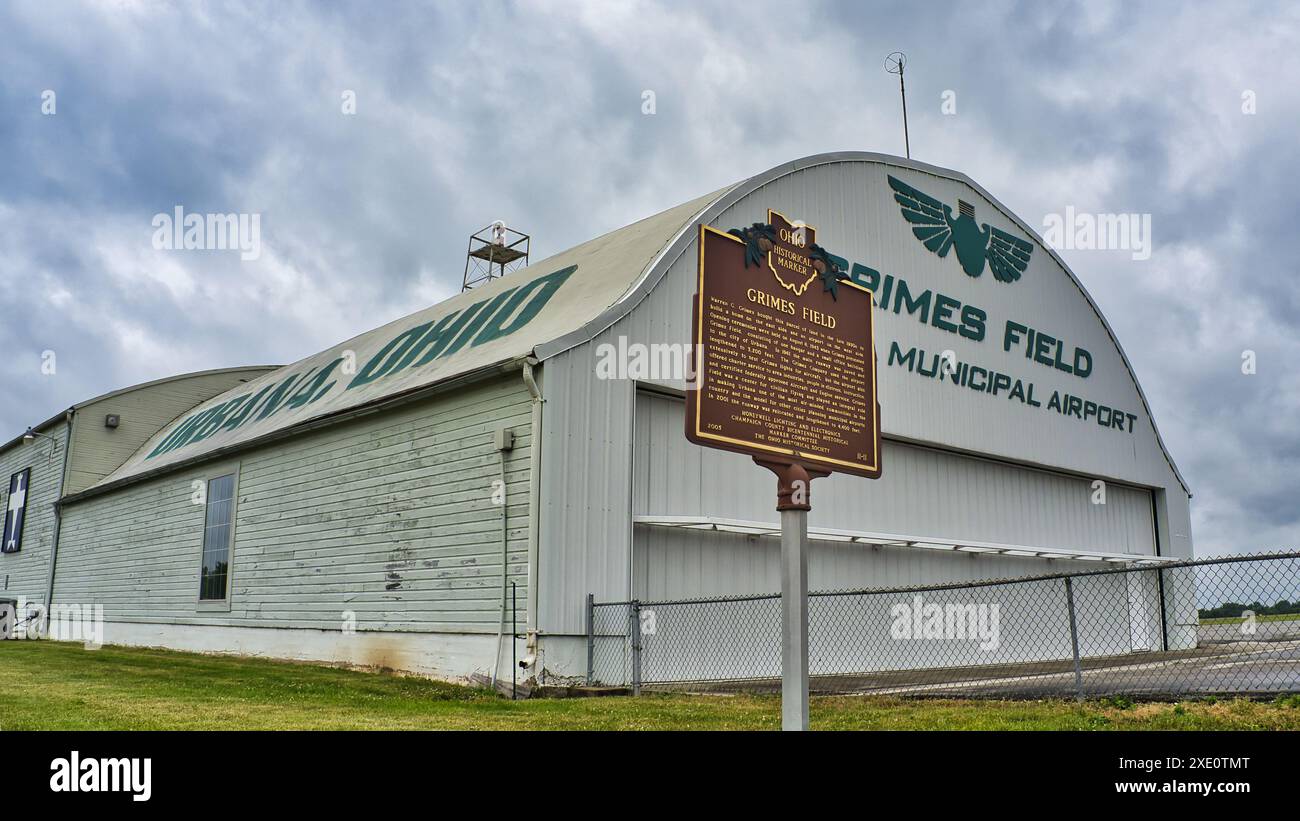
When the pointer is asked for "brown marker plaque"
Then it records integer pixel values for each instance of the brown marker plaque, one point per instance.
(785, 366)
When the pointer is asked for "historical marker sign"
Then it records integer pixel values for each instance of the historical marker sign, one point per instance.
(785, 365)
(785, 371)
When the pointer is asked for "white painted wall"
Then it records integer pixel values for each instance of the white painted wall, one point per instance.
(388, 518)
(25, 574)
(451, 656)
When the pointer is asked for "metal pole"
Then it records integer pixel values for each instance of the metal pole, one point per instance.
(1074, 639)
(907, 141)
(505, 568)
(634, 631)
(794, 619)
(591, 638)
(514, 640)
(58, 526)
(895, 64)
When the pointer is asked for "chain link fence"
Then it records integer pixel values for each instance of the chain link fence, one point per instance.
(1221, 626)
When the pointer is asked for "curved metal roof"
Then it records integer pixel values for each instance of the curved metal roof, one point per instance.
(540, 311)
(734, 194)
(63, 414)
(485, 329)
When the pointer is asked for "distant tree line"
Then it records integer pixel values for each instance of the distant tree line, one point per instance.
(1233, 609)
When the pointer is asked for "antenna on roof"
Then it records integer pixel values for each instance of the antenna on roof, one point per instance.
(494, 251)
(894, 64)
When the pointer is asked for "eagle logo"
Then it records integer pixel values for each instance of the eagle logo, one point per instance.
(934, 225)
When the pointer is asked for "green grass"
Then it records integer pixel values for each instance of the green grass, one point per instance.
(1237, 619)
(62, 686)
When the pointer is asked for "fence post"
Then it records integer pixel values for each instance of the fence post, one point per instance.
(1074, 638)
(591, 638)
(634, 632)
(1164, 624)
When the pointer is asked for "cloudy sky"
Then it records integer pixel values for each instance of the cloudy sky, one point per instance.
(532, 112)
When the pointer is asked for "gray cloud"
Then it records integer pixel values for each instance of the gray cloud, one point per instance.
(532, 113)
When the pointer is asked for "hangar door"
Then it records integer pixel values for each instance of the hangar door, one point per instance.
(925, 493)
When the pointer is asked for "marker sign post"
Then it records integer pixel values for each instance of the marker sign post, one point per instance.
(785, 372)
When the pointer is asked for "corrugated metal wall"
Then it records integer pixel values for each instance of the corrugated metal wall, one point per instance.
(856, 217)
(924, 493)
(25, 573)
(586, 505)
(389, 517)
(589, 425)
